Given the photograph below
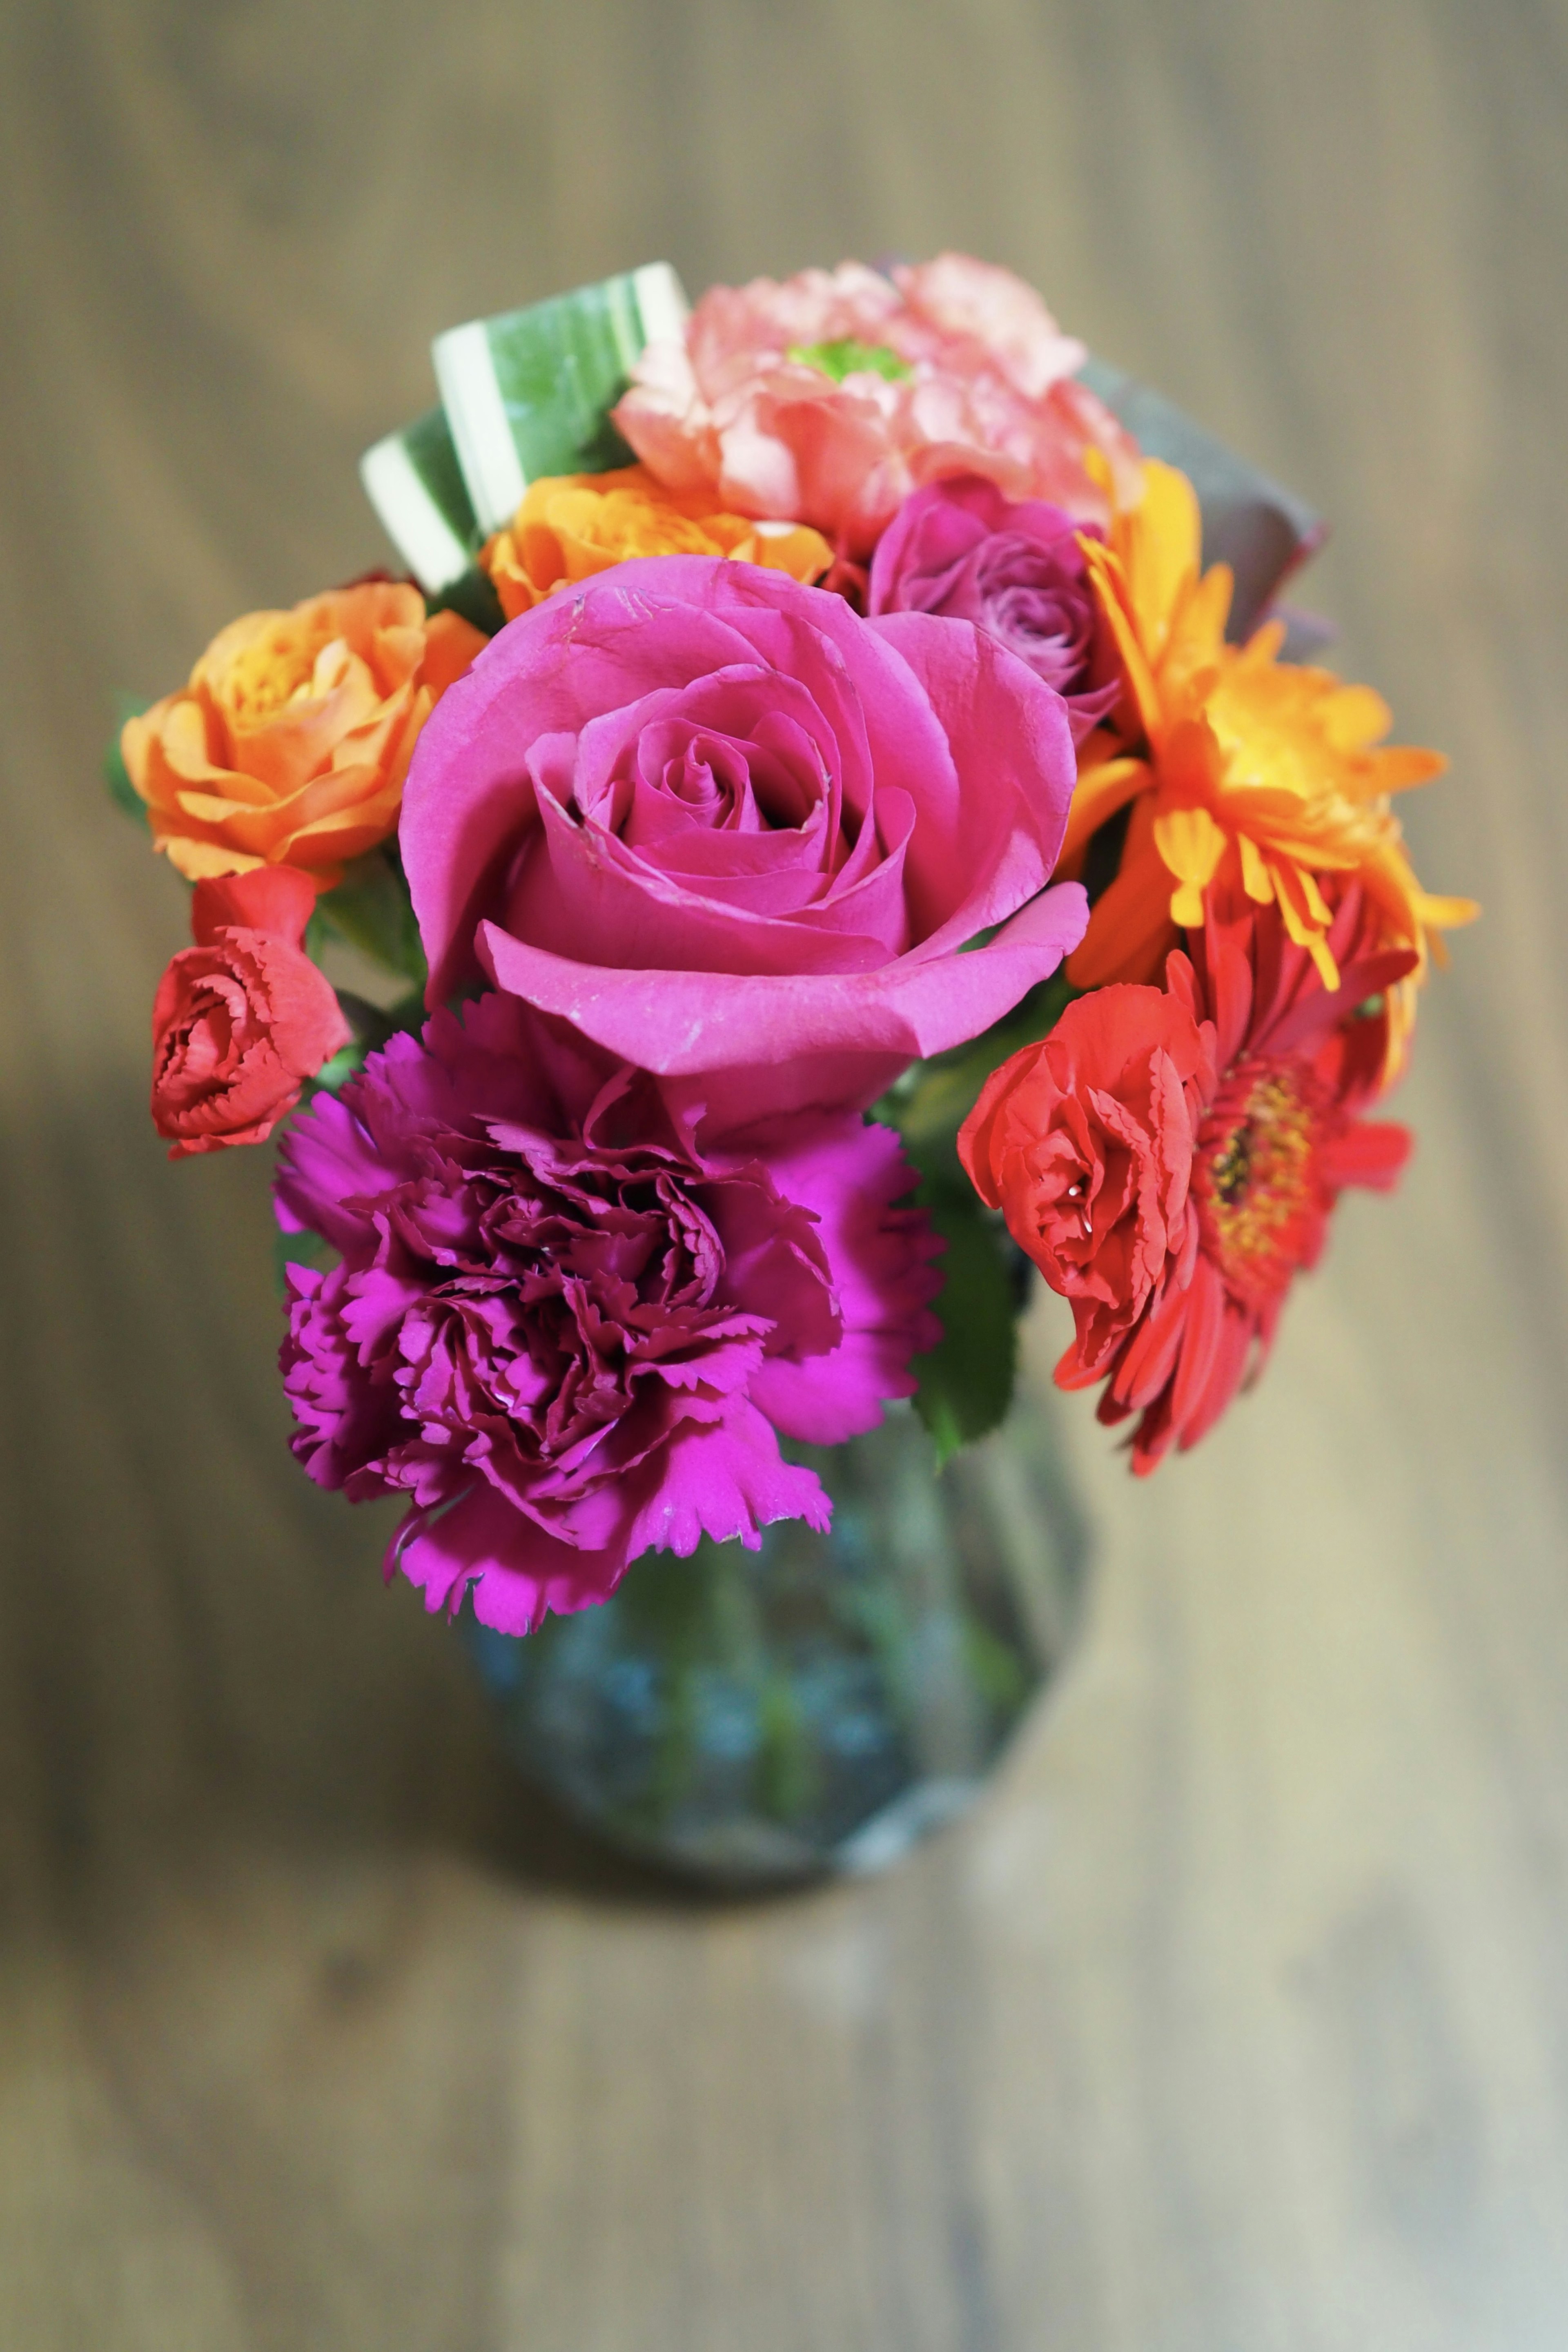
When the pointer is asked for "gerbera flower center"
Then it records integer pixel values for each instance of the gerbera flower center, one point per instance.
(1256, 1179)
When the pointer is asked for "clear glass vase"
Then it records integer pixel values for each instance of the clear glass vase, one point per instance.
(752, 1720)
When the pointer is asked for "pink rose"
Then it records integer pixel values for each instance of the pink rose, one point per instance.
(958, 548)
(829, 398)
(734, 833)
(243, 1018)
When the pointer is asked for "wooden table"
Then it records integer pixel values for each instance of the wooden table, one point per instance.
(1238, 2020)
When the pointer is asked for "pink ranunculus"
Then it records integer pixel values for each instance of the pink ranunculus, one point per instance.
(564, 1333)
(960, 548)
(243, 1017)
(739, 837)
(826, 399)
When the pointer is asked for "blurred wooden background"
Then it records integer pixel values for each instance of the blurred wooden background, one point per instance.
(1238, 2020)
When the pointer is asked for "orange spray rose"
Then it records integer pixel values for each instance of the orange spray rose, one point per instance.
(290, 742)
(570, 525)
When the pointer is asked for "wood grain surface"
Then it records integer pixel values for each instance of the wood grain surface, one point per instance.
(1237, 2022)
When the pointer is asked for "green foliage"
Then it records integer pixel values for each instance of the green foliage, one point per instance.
(371, 1028)
(789, 1770)
(966, 1380)
(371, 910)
(473, 597)
(845, 356)
(116, 775)
(298, 1249)
(337, 1073)
(931, 1100)
(995, 1670)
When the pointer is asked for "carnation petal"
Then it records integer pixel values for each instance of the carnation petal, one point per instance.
(519, 1573)
(726, 1482)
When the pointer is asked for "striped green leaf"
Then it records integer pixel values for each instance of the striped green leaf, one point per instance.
(415, 483)
(530, 392)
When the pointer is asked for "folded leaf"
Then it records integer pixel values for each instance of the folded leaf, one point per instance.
(529, 392)
(415, 483)
(371, 910)
(966, 1380)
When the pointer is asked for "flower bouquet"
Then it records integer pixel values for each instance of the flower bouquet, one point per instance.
(832, 819)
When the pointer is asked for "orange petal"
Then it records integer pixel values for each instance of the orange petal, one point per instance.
(1130, 933)
(1099, 791)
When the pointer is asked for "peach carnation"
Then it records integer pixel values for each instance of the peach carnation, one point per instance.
(290, 744)
(571, 525)
(831, 397)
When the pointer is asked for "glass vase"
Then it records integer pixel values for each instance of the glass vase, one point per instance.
(753, 1719)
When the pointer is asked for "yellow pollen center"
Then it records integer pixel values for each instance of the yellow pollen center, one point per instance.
(1256, 1176)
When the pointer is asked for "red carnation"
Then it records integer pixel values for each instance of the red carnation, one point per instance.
(1170, 1157)
(244, 1017)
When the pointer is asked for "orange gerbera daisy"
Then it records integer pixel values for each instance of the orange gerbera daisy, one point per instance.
(1237, 768)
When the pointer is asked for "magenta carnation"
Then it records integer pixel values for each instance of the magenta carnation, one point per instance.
(738, 836)
(965, 550)
(566, 1333)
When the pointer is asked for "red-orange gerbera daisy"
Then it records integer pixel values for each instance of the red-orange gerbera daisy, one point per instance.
(1169, 1158)
(1260, 776)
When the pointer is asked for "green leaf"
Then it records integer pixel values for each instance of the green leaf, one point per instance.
(530, 392)
(930, 1101)
(343, 1065)
(1261, 531)
(473, 597)
(371, 910)
(415, 483)
(116, 775)
(966, 1380)
(298, 1249)
(966, 1383)
(845, 356)
(372, 1028)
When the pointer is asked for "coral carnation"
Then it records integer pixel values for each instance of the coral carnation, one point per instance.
(566, 1333)
(243, 1018)
(570, 526)
(1170, 1157)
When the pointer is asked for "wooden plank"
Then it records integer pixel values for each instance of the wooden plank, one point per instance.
(1236, 2020)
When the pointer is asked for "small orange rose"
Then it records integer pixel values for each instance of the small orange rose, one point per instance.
(570, 525)
(290, 742)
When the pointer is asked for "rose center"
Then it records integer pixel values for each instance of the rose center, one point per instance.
(283, 666)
